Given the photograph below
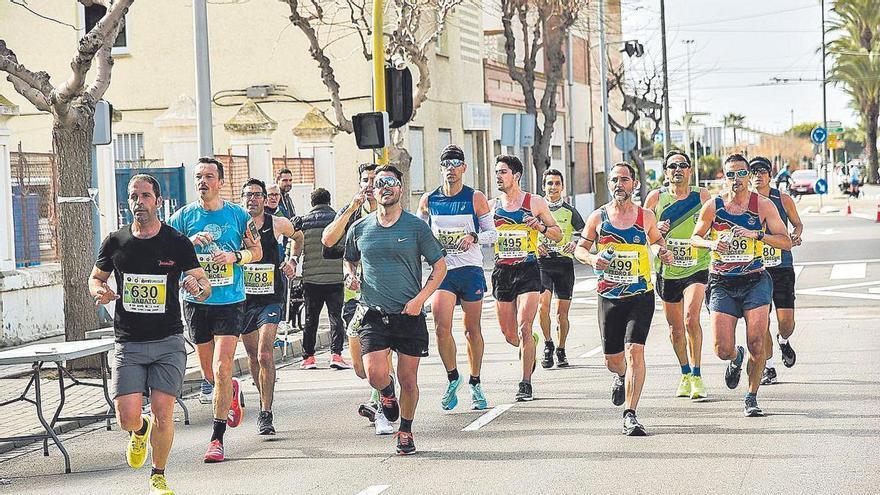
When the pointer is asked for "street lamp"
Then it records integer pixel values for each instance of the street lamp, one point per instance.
(688, 44)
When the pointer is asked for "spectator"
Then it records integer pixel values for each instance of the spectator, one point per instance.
(284, 179)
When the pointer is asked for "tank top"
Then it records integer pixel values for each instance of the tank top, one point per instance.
(744, 255)
(682, 215)
(451, 218)
(774, 256)
(629, 273)
(516, 243)
(262, 280)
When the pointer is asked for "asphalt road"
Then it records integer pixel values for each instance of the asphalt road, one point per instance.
(820, 434)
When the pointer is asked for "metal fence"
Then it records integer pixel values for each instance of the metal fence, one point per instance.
(34, 207)
(303, 169)
(236, 172)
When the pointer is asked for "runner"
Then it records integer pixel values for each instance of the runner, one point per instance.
(682, 285)
(147, 259)
(333, 239)
(219, 230)
(779, 265)
(516, 280)
(624, 234)
(741, 222)
(264, 290)
(460, 218)
(557, 268)
(389, 246)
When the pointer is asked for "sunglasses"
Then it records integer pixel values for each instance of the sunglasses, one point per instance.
(250, 195)
(760, 170)
(739, 174)
(451, 163)
(678, 165)
(386, 182)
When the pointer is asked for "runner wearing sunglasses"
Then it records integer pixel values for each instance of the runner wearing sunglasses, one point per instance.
(739, 223)
(682, 284)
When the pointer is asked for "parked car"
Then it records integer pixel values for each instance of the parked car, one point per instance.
(802, 182)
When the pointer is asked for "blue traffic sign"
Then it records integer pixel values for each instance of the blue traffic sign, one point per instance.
(818, 135)
(820, 186)
(625, 141)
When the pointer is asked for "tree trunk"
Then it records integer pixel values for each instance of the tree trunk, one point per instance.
(73, 141)
(871, 141)
(636, 157)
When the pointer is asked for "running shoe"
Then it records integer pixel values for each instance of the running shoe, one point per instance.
(769, 376)
(731, 376)
(684, 386)
(450, 398)
(698, 390)
(337, 362)
(390, 408)
(383, 426)
(236, 413)
(618, 390)
(405, 443)
(308, 364)
(264, 423)
(368, 411)
(136, 453)
(215, 452)
(478, 400)
(206, 392)
(524, 394)
(159, 486)
(751, 409)
(561, 360)
(547, 361)
(788, 355)
(632, 427)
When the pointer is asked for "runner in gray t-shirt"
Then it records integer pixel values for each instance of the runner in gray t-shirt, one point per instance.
(390, 244)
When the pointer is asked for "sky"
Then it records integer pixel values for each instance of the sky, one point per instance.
(738, 46)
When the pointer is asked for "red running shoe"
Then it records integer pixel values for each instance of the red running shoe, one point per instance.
(405, 443)
(236, 413)
(215, 452)
(309, 364)
(339, 363)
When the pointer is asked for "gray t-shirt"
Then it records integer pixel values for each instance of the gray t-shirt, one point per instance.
(391, 258)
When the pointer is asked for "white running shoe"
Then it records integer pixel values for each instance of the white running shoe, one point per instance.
(383, 426)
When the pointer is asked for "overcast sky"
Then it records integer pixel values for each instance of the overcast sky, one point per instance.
(738, 46)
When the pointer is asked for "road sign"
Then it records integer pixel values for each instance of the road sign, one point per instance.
(820, 186)
(835, 127)
(836, 142)
(818, 135)
(625, 141)
(658, 138)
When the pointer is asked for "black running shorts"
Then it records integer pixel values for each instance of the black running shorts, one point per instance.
(671, 290)
(557, 275)
(625, 321)
(510, 281)
(783, 286)
(402, 333)
(205, 321)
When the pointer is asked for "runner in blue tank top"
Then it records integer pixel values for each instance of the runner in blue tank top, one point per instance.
(739, 222)
(779, 265)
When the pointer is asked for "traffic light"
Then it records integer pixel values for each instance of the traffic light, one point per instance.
(633, 48)
(398, 96)
(371, 130)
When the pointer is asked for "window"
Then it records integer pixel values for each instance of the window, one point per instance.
(129, 147)
(556, 153)
(442, 45)
(417, 165)
(91, 16)
(496, 147)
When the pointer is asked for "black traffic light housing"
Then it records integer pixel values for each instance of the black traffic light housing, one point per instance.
(398, 96)
(370, 130)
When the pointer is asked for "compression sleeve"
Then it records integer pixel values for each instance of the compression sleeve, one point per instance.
(487, 234)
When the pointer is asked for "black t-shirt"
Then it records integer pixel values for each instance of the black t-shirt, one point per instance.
(147, 275)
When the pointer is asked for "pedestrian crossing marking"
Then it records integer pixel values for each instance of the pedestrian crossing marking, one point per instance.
(487, 418)
(797, 271)
(843, 271)
(374, 490)
(591, 352)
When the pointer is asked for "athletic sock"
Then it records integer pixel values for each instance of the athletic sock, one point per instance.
(629, 411)
(143, 430)
(738, 360)
(695, 371)
(475, 380)
(781, 340)
(405, 425)
(750, 394)
(685, 369)
(388, 391)
(771, 363)
(219, 430)
(452, 375)
(374, 396)
(157, 471)
(548, 343)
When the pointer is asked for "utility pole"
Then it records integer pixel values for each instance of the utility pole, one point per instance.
(824, 102)
(379, 68)
(667, 138)
(687, 44)
(603, 70)
(203, 79)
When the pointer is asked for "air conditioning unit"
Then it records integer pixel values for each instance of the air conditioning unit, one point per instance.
(261, 91)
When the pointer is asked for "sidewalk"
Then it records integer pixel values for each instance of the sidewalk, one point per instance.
(20, 418)
(836, 204)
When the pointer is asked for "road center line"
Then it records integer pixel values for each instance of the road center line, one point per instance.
(591, 352)
(374, 490)
(842, 271)
(487, 418)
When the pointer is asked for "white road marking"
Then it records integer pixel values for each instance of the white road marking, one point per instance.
(874, 290)
(814, 263)
(831, 290)
(487, 418)
(591, 352)
(842, 271)
(586, 285)
(797, 271)
(374, 490)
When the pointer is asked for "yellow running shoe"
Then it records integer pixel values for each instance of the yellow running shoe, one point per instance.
(698, 390)
(136, 453)
(159, 486)
(684, 387)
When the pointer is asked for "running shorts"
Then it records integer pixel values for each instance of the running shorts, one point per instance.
(205, 321)
(733, 295)
(626, 320)
(557, 275)
(671, 290)
(510, 281)
(783, 286)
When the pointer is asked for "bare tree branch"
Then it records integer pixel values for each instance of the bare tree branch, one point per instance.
(39, 81)
(37, 98)
(102, 80)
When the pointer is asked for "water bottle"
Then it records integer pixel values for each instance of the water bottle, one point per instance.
(607, 254)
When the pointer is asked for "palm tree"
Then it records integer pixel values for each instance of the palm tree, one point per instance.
(857, 65)
(734, 121)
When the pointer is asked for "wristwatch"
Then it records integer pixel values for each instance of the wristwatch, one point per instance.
(237, 256)
(474, 237)
(760, 235)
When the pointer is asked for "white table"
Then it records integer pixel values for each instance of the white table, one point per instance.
(58, 353)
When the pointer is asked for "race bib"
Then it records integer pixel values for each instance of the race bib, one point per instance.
(449, 239)
(742, 249)
(552, 246)
(219, 274)
(624, 268)
(259, 278)
(772, 256)
(513, 243)
(684, 254)
(144, 293)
